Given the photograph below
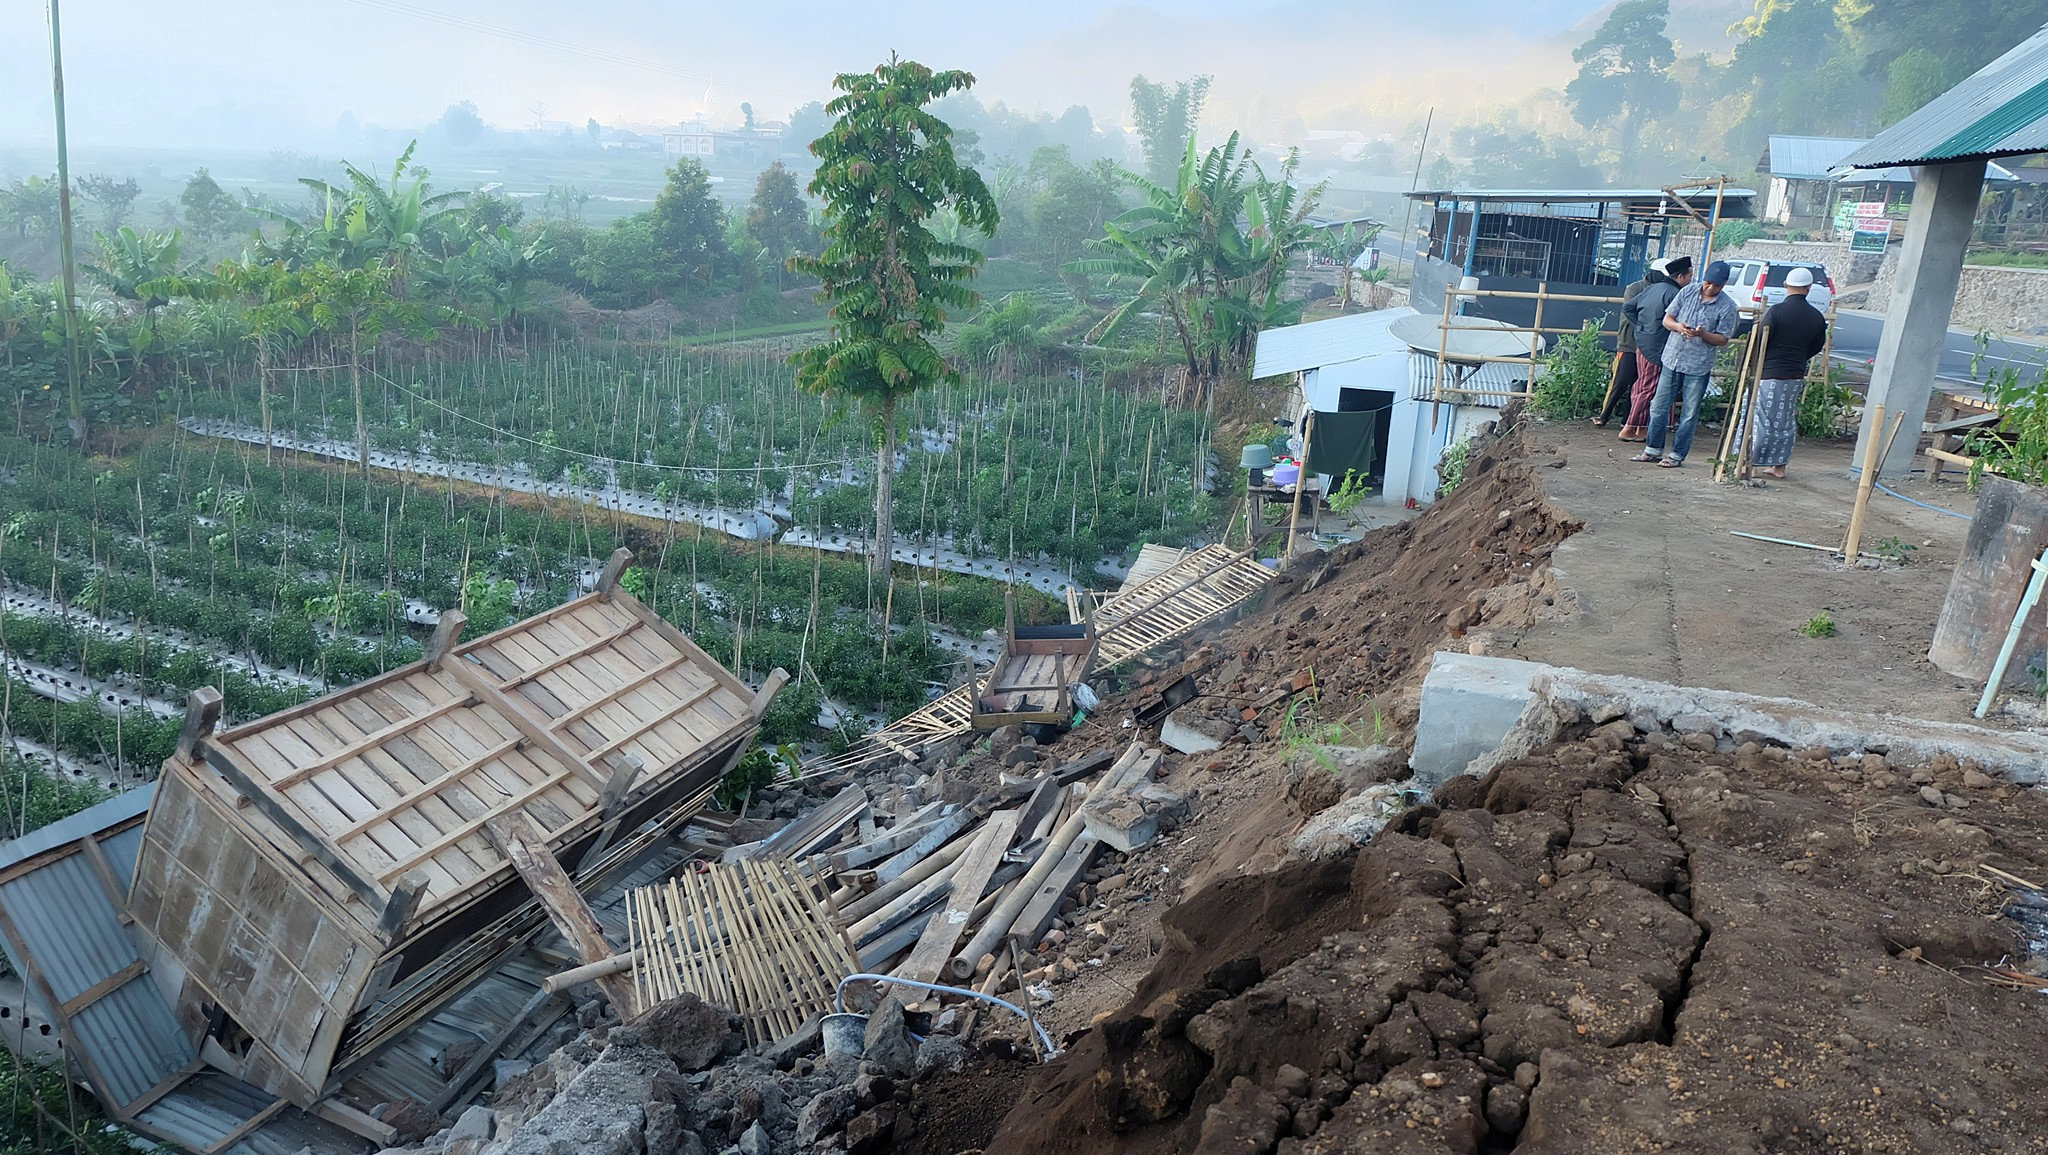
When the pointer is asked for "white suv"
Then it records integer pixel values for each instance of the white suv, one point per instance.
(1759, 284)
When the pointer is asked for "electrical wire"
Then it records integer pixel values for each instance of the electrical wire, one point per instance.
(613, 461)
(537, 40)
(1050, 1050)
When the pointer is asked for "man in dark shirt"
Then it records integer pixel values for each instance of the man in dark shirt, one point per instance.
(1793, 332)
(1621, 386)
(1645, 312)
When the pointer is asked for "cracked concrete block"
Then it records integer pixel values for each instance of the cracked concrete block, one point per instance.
(1469, 704)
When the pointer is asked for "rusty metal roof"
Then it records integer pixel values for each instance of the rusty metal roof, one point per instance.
(2001, 110)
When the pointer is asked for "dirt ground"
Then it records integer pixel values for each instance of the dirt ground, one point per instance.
(1619, 944)
(1665, 591)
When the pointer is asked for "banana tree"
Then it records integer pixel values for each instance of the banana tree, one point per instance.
(135, 267)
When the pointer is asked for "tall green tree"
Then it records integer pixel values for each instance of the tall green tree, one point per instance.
(1624, 74)
(886, 168)
(778, 220)
(209, 210)
(689, 224)
(354, 304)
(114, 197)
(1166, 116)
(134, 267)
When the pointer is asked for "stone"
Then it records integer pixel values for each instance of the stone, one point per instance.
(754, 1140)
(941, 1054)
(663, 1132)
(504, 1071)
(1527, 1075)
(1349, 824)
(1190, 730)
(602, 1112)
(1696, 724)
(1023, 756)
(826, 1113)
(410, 1119)
(1931, 795)
(1004, 739)
(887, 1045)
(1505, 1105)
(475, 1123)
(690, 1031)
(1976, 779)
(1291, 1081)
(869, 1133)
(782, 1053)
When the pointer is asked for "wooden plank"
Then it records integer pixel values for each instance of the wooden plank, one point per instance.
(226, 766)
(585, 649)
(370, 742)
(681, 641)
(935, 947)
(523, 719)
(638, 680)
(529, 855)
(614, 569)
(105, 987)
(446, 632)
(248, 1126)
(387, 815)
(202, 713)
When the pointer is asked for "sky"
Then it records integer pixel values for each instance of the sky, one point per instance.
(271, 75)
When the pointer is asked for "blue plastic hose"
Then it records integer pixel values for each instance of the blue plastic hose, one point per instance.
(839, 1002)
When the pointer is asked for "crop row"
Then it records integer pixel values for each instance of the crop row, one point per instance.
(1040, 465)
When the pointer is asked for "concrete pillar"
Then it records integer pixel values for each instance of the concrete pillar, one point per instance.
(1945, 200)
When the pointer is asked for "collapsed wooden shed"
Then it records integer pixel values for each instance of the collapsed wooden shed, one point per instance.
(332, 874)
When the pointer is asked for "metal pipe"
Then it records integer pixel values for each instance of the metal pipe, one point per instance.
(64, 242)
(2012, 636)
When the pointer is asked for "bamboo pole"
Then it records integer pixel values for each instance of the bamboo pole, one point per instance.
(1863, 485)
(1308, 434)
(1734, 431)
(1756, 389)
(1536, 333)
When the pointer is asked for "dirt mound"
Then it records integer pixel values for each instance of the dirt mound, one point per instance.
(1623, 943)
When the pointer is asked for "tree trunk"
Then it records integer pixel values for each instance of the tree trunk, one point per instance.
(355, 380)
(263, 397)
(885, 486)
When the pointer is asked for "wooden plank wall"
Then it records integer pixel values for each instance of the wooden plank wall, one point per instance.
(278, 958)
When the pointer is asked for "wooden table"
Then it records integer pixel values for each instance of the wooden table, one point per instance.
(1960, 412)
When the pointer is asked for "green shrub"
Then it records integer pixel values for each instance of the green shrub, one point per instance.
(1575, 374)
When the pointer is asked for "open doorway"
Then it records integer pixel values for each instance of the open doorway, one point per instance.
(1379, 403)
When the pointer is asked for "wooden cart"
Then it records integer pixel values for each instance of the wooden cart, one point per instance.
(1033, 680)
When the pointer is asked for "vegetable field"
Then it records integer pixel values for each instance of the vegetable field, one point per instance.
(1031, 466)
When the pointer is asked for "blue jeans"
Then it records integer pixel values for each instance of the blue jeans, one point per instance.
(1668, 385)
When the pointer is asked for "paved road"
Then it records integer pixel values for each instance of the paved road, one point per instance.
(1857, 333)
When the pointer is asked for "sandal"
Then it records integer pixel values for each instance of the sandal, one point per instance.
(1649, 458)
(1600, 423)
(1671, 463)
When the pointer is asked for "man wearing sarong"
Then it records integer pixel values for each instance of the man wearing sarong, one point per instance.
(1701, 319)
(1646, 313)
(1797, 333)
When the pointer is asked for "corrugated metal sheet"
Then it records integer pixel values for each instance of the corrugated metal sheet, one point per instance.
(2001, 110)
(1584, 196)
(1331, 342)
(1817, 158)
(71, 937)
(91, 820)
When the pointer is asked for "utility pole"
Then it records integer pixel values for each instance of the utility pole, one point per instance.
(64, 232)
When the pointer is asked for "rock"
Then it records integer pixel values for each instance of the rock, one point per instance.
(869, 1090)
(690, 1031)
(1976, 779)
(1505, 1105)
(1451, 1022)
(783, 1052)
(886, 1045)
(1526, 1076)
(663, 1131)
(1349, 824)
(869, 1133)
(1291, 1081)
(410, 1119)
(1004, 739)
(1023, 756)
(941, 1054)
(476, 1123)
(1190, 730)
(602, 1112)
(823, 1114)
(1930, 795)
(1696, 724)
(504, 1071)
(754, 1140)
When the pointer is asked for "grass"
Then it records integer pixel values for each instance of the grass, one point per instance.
(816, 325)
(1895, 549)
(2007, 259)
(1819, 625)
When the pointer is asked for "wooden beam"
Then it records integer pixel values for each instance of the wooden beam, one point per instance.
(523, 718)
(765, 696)
(371, 741)
(202, 714)
(614, 569)
(528, 852)
(224, 764)
(248, 1127)
(405, 898)
(622, 689)
(105, 987)
(573, 653)
(446, 633)
(495, 1046)
(349, 1119)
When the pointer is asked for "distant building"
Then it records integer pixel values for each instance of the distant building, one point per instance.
(1802, 193)
(619, 138)
(691, 140)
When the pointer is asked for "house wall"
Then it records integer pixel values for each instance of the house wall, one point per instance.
(1417, 435)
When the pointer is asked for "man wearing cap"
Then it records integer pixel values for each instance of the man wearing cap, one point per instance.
(1794, 332)
(1621, 386)
(1646, 315)
(1700, 319)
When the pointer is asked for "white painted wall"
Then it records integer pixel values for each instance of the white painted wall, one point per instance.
(1417, 435)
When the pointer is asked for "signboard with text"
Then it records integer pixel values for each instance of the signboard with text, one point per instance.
(1871, 236)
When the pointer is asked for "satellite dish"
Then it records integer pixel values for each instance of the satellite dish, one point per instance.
(1469, 338)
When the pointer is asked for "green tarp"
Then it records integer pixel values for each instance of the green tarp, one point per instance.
(1341, 443)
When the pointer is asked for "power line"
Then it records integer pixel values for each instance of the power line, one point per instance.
(467, 24)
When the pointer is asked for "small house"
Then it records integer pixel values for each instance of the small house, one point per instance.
(1374, 377)
(690, 140)
(328, 877)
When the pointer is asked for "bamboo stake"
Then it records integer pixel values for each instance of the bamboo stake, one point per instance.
(1308, 434)
(1756, 389)
(1864, 484)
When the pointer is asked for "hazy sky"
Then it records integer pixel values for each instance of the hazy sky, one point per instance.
(267, 74)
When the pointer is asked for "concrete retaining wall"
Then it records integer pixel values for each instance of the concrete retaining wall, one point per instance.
(1477, 712)
(2003, 300)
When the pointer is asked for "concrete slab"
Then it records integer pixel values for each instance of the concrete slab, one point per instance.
(1466, 698)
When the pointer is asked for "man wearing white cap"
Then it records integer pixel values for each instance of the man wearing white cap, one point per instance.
(1794, 332)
